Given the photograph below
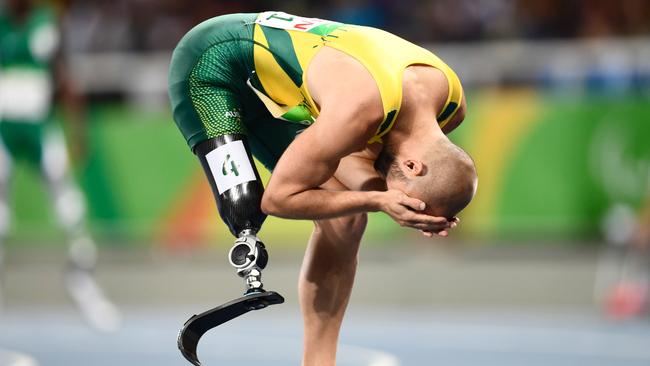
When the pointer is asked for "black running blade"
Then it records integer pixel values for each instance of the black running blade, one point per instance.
(198, 325)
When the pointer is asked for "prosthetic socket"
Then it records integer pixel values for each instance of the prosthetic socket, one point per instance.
(238, 191)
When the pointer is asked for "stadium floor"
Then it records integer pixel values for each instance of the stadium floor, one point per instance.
(386, 337)
(479, 306)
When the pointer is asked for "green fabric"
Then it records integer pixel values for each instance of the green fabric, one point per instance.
(270, 137)
(281, 47)
(384, 125)
(325, 29)
(207, 77)
(19, 46)
(24, 141)
(217, 108)
(208, 91)
(451, 107)
(299, 114)
(15, 38)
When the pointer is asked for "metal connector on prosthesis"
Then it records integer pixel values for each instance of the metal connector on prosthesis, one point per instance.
(249, 256)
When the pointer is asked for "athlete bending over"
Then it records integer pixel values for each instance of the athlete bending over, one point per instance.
(350, 120)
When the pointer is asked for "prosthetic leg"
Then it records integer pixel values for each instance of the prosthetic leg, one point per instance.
(238, 191)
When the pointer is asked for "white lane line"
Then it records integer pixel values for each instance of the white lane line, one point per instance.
(356, 355)
(537, 340)
(10, 358)
(286, 350)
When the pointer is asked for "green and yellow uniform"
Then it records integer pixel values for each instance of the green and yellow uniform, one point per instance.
(27, 47)
(246, 73)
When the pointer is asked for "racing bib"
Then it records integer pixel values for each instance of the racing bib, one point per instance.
(281, 20)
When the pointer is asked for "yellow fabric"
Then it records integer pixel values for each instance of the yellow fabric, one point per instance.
(277, 84)
(383, 54)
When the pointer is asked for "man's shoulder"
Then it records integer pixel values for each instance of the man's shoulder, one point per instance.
(423, 84)
(344, 85)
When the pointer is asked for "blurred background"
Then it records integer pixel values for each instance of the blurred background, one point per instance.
(554, 246)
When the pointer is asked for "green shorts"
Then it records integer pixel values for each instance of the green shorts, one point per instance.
(209, 94)
(23, 141)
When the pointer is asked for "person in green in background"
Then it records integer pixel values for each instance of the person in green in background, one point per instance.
(31, 72)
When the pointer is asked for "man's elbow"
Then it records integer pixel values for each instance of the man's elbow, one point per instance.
(270, 204)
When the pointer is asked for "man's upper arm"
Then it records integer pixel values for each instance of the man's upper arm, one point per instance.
(315, 154)
(357, 172)
(350, 112)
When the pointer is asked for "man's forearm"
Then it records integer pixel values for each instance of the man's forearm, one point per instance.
(316, 204)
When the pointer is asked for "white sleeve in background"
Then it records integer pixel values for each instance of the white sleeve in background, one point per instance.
(44, 42)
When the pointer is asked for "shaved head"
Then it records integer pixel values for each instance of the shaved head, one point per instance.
(441, 174)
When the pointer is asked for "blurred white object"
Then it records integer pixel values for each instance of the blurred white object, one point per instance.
(100, 312)
(25, 94)
(619, 224)
(82, 252)
(10, 358)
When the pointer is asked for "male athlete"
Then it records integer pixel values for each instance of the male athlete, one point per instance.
(350, 120)
(29, 44)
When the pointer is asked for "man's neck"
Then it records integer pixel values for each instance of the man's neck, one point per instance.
(424, 91)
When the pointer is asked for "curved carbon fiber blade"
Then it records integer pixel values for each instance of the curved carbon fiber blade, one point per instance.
(196, 326)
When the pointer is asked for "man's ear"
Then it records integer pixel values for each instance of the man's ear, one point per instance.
(413, 168)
